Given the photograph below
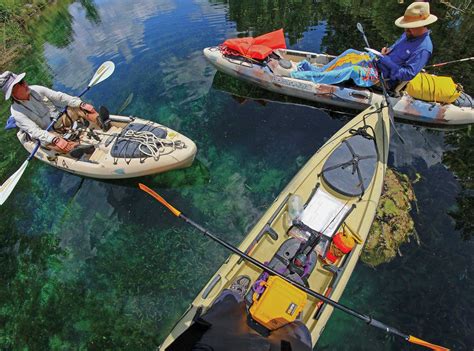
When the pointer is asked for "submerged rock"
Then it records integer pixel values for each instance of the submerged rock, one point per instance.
(393, 224)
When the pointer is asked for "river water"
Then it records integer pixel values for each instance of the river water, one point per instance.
(89, 264)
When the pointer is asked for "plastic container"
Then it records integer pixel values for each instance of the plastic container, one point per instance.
(295, 208)
(298, 233)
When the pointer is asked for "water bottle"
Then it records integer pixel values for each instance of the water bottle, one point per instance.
(295, 207)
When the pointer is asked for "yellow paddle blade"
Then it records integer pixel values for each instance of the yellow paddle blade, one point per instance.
(146, 189)
(417, 341)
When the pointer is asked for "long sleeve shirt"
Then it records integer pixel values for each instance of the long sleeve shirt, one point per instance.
(34, 115)
(406, 58)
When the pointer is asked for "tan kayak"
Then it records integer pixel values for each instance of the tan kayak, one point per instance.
(340, 187)
(132, 147)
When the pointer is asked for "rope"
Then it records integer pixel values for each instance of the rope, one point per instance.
(152, 146)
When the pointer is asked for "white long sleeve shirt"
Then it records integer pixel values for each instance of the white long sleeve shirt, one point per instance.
(34, 115)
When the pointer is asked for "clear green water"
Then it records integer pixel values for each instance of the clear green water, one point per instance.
(88, 264)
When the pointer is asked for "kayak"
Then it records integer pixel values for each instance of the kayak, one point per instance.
(339, 189)
(132, 147)
(274, 74)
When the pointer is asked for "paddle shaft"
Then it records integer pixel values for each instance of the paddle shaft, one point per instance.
(391, 112)
(446, 63)
(369, 320)
(38, 144)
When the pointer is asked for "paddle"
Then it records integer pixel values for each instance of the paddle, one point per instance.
(391, 113)
(446, 63)
(103, 72)
(369, 320)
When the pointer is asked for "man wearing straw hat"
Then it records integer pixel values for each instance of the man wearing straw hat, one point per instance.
(398, 63)
(34, 107)
(410, 53)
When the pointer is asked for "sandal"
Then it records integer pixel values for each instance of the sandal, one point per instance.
(240, 285)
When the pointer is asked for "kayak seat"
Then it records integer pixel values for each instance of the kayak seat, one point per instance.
(125, 148)
(280, 68)
(351, 166)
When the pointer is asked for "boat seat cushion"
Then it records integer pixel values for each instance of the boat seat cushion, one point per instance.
(279, 70)
(351, 166)
(125, 148)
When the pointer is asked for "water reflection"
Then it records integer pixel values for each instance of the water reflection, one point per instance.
(111, 269)
(118, 35)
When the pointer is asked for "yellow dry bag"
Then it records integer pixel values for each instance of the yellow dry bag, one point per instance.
(429, 87)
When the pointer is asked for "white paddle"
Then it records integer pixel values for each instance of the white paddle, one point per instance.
(103, 72)
(391, 112)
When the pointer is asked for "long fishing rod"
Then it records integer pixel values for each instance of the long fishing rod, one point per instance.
(368, 319)
(449, 62)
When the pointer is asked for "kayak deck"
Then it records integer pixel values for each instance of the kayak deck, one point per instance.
(272, 76)
(271, 231)
(175, 151)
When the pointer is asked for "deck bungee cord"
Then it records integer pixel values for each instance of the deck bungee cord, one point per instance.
(151, 145)
(148, 143)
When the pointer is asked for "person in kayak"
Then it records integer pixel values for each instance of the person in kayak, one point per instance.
(403, 60)
(400, 62)
(34, 107)
(225, 326)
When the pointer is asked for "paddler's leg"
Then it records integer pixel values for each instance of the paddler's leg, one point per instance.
(237, 289)
(77, 113)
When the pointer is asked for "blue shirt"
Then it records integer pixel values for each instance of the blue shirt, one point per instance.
(406, 58)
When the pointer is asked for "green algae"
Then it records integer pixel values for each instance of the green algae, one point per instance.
(393, 224)
(89, 271)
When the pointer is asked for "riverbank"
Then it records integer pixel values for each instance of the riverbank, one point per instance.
(15, 17)
(25, 27)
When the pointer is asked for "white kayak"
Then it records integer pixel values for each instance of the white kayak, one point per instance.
(274, 74)
(132, 147)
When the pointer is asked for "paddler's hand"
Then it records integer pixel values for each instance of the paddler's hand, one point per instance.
(64, 145)
(88, 107)
(385, 50)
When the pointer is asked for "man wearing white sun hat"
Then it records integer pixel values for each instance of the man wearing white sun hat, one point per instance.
(34, 107)
(406, 58)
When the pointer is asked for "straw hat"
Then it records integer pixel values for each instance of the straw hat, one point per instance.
(416, 15)
(8, 81)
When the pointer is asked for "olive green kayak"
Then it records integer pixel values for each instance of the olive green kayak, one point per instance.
(339, 189)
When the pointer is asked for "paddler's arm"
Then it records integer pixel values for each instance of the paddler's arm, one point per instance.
(408, 70)
(58, 98)
(35, 131)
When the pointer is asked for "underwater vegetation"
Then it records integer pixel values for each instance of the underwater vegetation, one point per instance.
(393, 224)
(89, 264)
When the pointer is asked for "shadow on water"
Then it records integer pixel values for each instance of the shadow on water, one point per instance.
(99, 265)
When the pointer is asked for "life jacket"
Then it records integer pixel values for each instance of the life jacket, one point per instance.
(260, 47)
(429, 87)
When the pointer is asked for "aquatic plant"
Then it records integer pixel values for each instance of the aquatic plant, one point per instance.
(393, 224)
